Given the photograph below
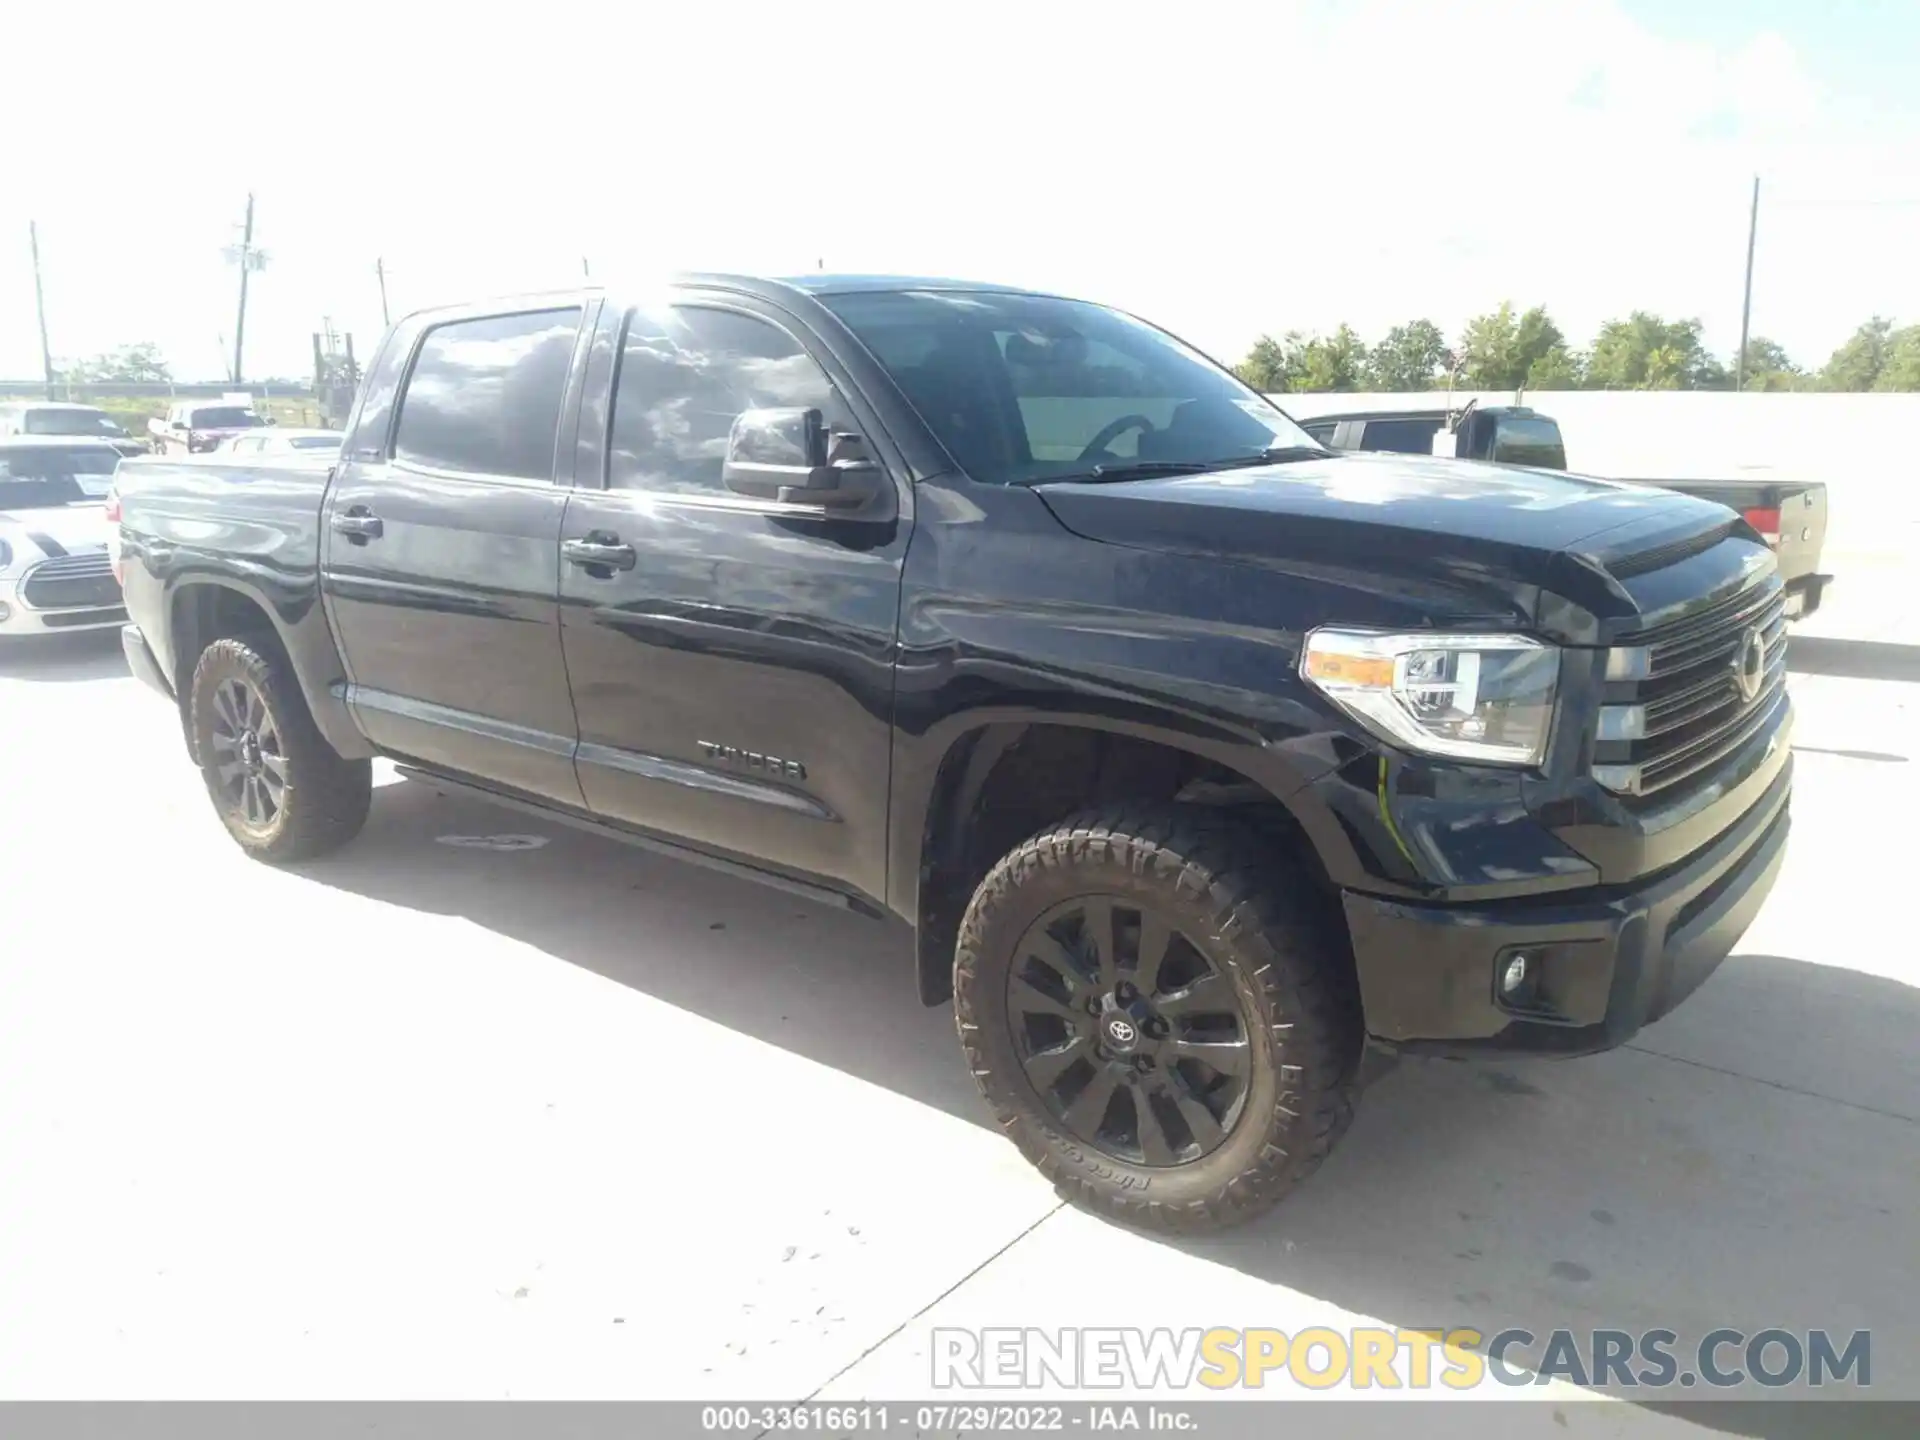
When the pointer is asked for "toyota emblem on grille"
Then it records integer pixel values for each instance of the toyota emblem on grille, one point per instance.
(1750, 664)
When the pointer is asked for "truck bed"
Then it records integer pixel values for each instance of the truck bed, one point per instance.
(1795, 511)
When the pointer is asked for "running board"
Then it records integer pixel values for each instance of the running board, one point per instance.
(606, 830)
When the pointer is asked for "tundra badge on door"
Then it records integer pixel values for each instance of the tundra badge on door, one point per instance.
(752, 760)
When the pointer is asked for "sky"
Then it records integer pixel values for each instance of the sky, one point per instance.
(1226, 170)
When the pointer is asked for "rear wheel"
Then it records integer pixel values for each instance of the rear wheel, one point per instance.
(281, 790)
(1159, 1023)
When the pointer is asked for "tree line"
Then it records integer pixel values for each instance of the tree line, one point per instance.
(130, 364)
(1505, 350)
(138, 364)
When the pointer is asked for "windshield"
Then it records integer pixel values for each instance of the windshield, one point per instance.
(223, 417)
(1022, 388)
(70, 422)
(50, 475)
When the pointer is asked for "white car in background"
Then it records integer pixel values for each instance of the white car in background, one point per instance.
(66, 421)
(281, 442)
(55, 572)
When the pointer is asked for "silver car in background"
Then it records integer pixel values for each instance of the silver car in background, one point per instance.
(55, 572)
(60, 419)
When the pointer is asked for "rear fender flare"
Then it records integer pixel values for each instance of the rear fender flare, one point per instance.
(296, 624)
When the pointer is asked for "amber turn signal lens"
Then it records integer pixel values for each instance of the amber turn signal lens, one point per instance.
(1349, 669)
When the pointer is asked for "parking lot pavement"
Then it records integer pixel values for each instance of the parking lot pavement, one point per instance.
(574, 1120)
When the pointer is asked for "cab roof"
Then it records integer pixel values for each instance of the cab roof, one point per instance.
(851, 284)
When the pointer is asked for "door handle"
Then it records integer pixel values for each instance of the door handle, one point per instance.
(359, 524)
(599, 552)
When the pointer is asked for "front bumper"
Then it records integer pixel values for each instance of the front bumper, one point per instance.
(1606, 961)
(19, 618)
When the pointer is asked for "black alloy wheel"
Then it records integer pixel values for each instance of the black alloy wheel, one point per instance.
(249, 762)
(1159, 1008)
(280, 789)
(1133, 1041)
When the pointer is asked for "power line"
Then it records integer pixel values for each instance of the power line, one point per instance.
(1840, 203)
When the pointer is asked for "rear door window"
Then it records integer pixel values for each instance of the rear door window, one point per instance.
(484, 396)
(223, 417)
(1529, 440)
(1401, 437)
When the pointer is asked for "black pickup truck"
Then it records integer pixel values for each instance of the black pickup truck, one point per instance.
(1790, 515)
(1198, 756)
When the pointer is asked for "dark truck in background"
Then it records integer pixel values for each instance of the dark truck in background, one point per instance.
(1790, 515)
(1198, 756)
(194, 427)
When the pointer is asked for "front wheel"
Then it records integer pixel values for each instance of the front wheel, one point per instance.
(281, 790)
(1158, 1022)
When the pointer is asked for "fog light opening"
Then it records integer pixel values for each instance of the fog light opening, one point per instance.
(1516, 974)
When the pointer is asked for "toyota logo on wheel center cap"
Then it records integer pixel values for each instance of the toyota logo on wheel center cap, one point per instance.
(1122, 1032)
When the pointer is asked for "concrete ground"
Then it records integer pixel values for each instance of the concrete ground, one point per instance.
(572, 1120)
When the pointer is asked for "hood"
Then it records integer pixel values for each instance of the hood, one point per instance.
(57, 530)
(1491, 526)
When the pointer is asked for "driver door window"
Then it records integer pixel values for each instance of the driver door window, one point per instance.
(685, 377)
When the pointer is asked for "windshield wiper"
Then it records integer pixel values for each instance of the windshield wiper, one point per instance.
(1283, 454)
(1277, 455)
(1126, 470)
(1147, 469)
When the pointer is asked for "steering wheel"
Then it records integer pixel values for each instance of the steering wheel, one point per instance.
(1112, 431)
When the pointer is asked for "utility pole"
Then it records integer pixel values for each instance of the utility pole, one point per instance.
(248, 259)
(40, 302)
(1746, 304)
(240, 324)
(380, 269)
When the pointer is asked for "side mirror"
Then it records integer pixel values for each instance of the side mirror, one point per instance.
(788, 455)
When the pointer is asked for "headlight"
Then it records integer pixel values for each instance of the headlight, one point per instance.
(1474, 697)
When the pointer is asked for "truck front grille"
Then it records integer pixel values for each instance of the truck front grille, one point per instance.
(1684, 696)
(71, 582)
